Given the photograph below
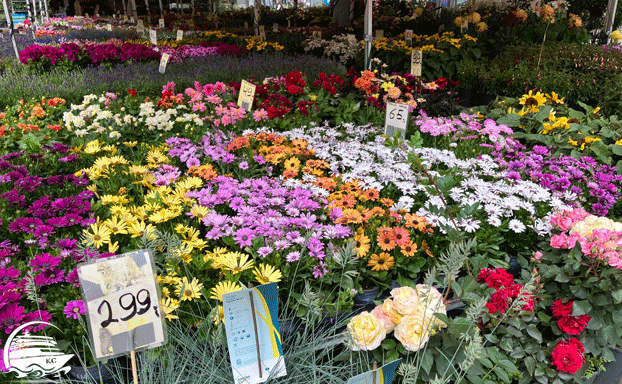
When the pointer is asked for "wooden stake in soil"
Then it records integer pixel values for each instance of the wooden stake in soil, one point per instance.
(250, 294)
(134, 370)
(375, 372)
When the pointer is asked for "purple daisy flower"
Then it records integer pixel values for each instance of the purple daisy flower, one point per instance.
(265, 251)
(244, 237)
(74, 309)
(38, 315)
(293, 256)
(9, 274)
(11, 317)
(44, 261)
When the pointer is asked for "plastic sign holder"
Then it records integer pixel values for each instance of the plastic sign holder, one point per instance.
(396, 119)
(382, 375)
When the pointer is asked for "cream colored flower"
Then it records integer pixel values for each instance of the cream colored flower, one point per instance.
(388, 315)
(405, 300)
(590, 223)
(413, 331)
(366, 331)
(431, 302)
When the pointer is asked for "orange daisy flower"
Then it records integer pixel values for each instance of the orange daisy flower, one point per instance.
(382, 262)
(387, 202)
(370, 194)
(409, 249)
(362, 245)
(417, 222)
(386, 241)
(426, 248)
(401, 235)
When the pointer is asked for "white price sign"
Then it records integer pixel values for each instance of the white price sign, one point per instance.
(109, 27)
(408, 36)
(121, 298)
(163, 62)
(247, 95)
(161, 23)
(416, 62)
(180, 35)
(396, 119)
(153, 37)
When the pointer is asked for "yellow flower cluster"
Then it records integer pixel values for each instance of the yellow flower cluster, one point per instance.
(255, 43)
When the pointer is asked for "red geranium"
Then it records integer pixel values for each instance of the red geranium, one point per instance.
(131, 92)
(572, 325)
(560, 309)
(568, 355)
(495, 278)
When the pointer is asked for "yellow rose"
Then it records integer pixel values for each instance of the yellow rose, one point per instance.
(413, 331)
(616, 36)
(366, 331)
(388, 314)
(405, 300)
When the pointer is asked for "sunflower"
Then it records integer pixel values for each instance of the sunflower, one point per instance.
(386, 240)
(382, 262)
(188, 290)
(224, 287)
(362, 245)
(533, 101)
(266, 273)
(409, 249)
(235, 262)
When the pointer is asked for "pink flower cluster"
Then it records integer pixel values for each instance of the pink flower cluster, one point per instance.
(597, 237)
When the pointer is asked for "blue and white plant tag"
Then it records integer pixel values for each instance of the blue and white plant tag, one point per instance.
(382, 375)
(253, 336)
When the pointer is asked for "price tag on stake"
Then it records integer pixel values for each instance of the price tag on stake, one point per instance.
(121, 299)
(153, 37)
(180, 35)
(416, 62)
(247, 95)
(408, 36)
(161, 23)
(109, 27)
(97, 15)
(379, 33)
(86, 15)
(262, 32)
(275, 27)
(163, 62)
(396, 119)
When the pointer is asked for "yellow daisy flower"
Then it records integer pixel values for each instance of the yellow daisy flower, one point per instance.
(266, 273)
(224, 287)
(188, 290)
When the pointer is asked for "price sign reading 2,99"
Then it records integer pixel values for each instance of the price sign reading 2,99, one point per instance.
(122, 304)
(247, 95)
(396, 119)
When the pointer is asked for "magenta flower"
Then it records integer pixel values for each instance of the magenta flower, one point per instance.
(244, 237)
(75, 309)
(44, 261)
(11, 317)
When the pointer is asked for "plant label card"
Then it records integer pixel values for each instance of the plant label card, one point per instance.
(253, 336)
(180, 35)
(246, 25)
(396, 119)
(153, 37)
(163, 62)
(408, 36)
(382, 375)
(140, 29)
(121, 298)
(262, 32)
(247, 95)
(275, 27)
(416, 62)
(109, 27)
(161, 23)
(379, 33)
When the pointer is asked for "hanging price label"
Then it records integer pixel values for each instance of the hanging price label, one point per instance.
(161, 23)
(379, 33)
(247, 95)
(408, 36)
(163, 62)
(180, 35)
(262, 32)
(109, 27)
(416, 62)
(275, 27)
(153, 37)
(396, 119)
(122, 304)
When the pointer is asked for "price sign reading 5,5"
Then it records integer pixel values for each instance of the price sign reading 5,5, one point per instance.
(396, 119)
(247, 95)
(122, 304)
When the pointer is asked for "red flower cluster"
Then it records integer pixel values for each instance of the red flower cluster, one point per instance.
(329, 82)
(131, 92)
(294, 82)
(276, 105)
(572, 325)
(506, 290)
(568, 355)
(302, 107)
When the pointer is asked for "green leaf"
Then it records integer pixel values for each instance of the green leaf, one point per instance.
(617, 149)
(530, 363)
(427, 361)
(501, 374)
(486, 363)
(582, 307)
(534, 332)
(511, 120)
(617, 296)
(388, 344)
(508, 366)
